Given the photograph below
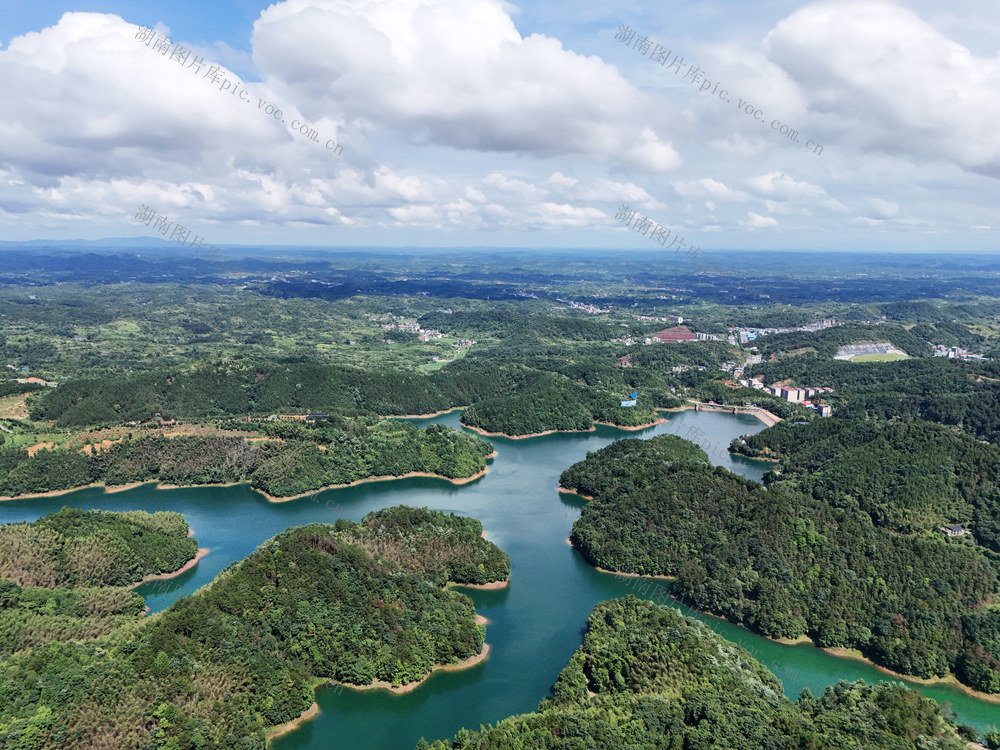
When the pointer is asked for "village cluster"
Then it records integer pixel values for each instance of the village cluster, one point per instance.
(587, 308)
(745, 335)
(957, 352)
(399, 323)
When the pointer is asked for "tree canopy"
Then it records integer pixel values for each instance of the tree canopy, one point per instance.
(647, 677)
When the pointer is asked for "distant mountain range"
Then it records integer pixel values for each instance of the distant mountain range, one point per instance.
(108, 242)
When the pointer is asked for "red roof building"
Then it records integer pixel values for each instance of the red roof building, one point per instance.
(672, 335)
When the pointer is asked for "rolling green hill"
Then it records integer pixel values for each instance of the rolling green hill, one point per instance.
(648, 678)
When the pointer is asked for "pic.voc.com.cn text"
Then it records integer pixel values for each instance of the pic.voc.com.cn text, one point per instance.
(214, 74)
(662, 55)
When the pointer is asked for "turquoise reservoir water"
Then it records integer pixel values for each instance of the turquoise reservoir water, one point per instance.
(536, 622)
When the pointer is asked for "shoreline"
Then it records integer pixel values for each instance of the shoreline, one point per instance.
(411, 686)
(646, 426)
(638, 575)
(492, 586)
(484, 433)
(290, 726)
(271, 498)
(202, 551)
(629, 428)
(55, 493)
(573, 492)
(424, 416)
(840, 652)
(949, 680)
(383, 478)
(619, 573)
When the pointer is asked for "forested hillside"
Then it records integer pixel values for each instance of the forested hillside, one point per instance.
(512, 398)
(265, 389)
(65, 575)
(908, 477)
(301, 458)
(351, 603)
(646, 677)
(440, 547)
(75, 548)
(31, 616)
(239, 389)
(787, 563)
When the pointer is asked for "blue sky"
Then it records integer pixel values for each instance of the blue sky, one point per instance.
(482, 122)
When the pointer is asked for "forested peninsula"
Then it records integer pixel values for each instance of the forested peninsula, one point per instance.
(646, 677)
(291, 459)
(352, 603)
(75, 548)
(69, 574)
(505, 398)
(860, 566)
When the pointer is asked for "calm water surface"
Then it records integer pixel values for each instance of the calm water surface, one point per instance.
(536, 622)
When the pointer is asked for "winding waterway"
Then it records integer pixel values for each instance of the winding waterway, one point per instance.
(535, 624)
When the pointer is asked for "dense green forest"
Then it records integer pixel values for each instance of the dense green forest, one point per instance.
(547, 404)
(908, 477)
(65, 575)
(515, 397)
(9, 387)
(841, 544)
(646, 677)
(239, 389)
(440, 547)
(75, 548)
(791, 560)
(308, 457)
(353, 603)
(31, 616)
(951, 392)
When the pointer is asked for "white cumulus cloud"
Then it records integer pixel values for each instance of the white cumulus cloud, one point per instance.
(901, 85)
(758, 221)
(455, 73)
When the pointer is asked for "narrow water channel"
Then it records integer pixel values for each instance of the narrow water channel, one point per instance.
(536, 623)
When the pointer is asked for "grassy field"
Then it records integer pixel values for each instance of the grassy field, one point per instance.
(878, 357)
(13, 407)
(26, 440)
